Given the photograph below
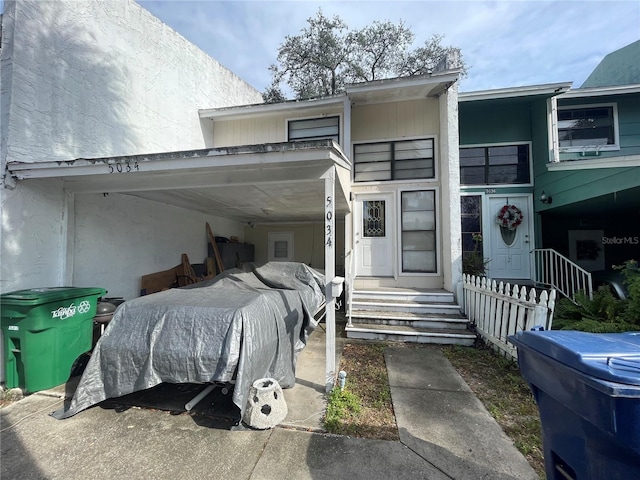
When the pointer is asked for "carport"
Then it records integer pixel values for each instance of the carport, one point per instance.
(278, 182)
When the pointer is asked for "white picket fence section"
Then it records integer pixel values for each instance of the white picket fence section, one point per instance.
(500, 310)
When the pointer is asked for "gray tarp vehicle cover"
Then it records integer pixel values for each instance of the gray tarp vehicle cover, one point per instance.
(240, 326)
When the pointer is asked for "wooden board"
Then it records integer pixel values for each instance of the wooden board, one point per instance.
(216, 253)
(188, 276)
(211, 266)
(156, 282)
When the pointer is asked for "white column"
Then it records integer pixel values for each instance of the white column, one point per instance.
(346, 131)
(330, 271)
(450, 192)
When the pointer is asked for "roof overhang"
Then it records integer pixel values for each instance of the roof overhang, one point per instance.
(266, 109)
(281, 182)
(545, 90)
(403, 88)
(377, 91)
(602, 91)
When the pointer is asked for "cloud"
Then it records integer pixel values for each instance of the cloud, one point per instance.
(505, 43)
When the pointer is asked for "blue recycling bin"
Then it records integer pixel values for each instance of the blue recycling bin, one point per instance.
(587, 387)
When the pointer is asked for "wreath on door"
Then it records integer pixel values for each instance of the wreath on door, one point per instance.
(509, 217)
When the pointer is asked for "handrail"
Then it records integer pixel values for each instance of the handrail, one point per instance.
(557, 271)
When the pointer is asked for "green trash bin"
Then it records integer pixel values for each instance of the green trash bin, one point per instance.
(44, 331)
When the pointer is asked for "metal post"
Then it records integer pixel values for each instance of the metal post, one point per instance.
(330, 269)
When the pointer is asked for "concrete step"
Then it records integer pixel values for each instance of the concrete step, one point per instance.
(438, 308)
(408, 319)
(404, 294)
(399, 333)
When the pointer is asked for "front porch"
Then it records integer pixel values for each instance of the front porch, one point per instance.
(406, 315)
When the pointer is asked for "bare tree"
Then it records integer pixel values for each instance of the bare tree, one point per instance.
(378, 50)
(326, 56)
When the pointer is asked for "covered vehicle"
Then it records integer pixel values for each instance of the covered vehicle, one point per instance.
(236, 328)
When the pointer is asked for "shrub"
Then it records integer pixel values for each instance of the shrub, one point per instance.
(604, 313)
(631, 274)
(473, 263)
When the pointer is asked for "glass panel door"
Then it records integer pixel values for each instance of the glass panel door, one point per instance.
(373, 218)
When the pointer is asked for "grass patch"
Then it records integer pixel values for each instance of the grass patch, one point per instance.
(363, 408)
(497, 382)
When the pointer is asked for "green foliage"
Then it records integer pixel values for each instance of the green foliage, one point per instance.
(631, 273)
(473, 263)
(604, 313)
(341, 404)
(326, 56)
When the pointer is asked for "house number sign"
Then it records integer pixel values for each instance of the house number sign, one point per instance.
(123, 167)
(329, 221)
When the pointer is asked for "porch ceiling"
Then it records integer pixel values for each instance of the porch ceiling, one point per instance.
(623, 202)
(263, 183)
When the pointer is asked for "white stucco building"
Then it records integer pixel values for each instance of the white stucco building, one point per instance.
(89, 80)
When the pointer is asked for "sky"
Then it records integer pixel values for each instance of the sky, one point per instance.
(504, 43)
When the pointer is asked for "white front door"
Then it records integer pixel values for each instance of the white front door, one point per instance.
(510, 255)
(374, 233)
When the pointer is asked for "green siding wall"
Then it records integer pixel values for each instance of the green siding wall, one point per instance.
(567, 187)
(488, 122)
(540, 136)
(572, 186)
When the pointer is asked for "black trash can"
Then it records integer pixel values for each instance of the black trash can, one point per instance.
(587, 387)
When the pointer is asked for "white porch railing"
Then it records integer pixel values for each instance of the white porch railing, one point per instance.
(500, 310)
(554, 270)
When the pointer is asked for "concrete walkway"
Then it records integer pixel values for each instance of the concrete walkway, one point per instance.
(445, 433)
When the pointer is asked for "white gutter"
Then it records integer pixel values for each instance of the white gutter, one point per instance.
(448, 76)
(600, 91)
(514, 92)
(247, 111)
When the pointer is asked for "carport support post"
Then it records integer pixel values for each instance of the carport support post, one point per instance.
(330, 271)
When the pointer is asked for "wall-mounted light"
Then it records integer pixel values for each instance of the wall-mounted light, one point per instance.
(544, 198)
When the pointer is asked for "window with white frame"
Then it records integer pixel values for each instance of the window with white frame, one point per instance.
(280, 246)
(396, 160)
(314, 129)
(495, 165)
(419, 231)
(592, 127)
